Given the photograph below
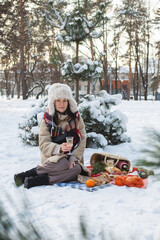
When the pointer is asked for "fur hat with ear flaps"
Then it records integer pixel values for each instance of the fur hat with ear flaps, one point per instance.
(58, 91)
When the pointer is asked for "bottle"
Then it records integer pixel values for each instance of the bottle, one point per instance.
(123, 165)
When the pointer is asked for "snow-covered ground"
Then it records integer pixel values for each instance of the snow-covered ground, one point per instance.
(125, 213)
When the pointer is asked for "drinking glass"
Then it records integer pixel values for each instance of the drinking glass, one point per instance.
(110, 164)
(69, 141)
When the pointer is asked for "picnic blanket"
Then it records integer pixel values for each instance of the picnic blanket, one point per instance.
(128, 179)
(82, 186)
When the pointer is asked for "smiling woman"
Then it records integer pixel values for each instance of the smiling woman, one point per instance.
(61, 105)
(61, 162)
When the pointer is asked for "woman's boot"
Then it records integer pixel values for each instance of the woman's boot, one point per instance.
(39, 180)
(19, 178)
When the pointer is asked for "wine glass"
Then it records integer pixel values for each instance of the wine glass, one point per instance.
(69, 141)
(110, 164)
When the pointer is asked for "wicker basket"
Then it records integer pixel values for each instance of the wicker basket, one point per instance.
(103, 157)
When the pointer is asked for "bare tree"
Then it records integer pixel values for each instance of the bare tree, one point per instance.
(135, 22)
(115, 49)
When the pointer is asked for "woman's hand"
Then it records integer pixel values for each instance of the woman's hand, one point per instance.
(71, 164)
(65, 147)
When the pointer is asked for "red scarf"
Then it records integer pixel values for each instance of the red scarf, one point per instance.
(55, 130)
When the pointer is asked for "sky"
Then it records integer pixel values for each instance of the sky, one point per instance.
(154, 4)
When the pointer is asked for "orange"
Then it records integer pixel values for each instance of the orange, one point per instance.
(120, 180)
(90, 183)
(134, 181)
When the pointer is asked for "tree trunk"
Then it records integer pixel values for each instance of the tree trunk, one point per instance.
(157, 78)
(137, 81)
(105, 69)
(147, 66)
(130, 72)
(17, 83)
(77, 78)
(22, 60)
(12, 89)
(116, 75)
(6, 75)
(140, 68)
(134, 87)
(89, 86)
(92, 56)
(105, 60)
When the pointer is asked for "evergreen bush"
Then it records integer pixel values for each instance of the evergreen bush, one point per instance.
(103, 127)
(30, 123)
(151, 154)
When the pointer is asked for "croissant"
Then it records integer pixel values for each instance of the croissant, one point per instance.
(102, 179)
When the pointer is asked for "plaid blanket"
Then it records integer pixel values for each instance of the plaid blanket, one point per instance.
(82, 186)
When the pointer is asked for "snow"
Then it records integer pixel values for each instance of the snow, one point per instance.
(64, 24)
(89, 24)
(95, 34)
(58, 37)
(69, 60)
(40, 117)
(71, 23)
(92, 68)
(58, 16)
(78, 19)
(86, 30)
(116, 99)
(117, 212)
(103, 53)
(90, 62)
(35, 130)
(102, 4)
(99, 138)
(68, 38)
(78, 68)
(99, 69)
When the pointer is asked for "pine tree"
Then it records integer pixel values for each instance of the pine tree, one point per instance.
(151, 154)
(84, 70)
(103, 127)
(24, 230)
(30, 123)
(75, 28)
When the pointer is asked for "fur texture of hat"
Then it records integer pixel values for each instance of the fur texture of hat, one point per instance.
(58, 91)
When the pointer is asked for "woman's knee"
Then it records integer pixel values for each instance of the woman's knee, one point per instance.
(62, 164)
(77, 169)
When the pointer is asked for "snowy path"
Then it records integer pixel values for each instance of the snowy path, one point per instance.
(128, 213)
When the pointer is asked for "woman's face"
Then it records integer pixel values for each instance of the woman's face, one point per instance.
(61, 105)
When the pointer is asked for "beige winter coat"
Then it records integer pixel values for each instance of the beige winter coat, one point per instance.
(50, 151)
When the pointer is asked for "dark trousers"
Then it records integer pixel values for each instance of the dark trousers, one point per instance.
(59, 172)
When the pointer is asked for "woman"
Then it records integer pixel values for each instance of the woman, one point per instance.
(60, 120)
